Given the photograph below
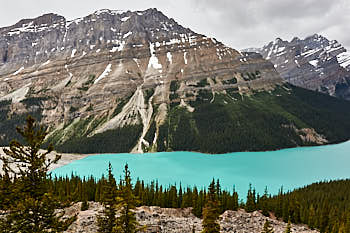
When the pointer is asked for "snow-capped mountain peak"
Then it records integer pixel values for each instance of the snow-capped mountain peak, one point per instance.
(315, 63)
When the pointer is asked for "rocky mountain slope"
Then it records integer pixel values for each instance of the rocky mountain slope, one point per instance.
(117, 81)
(315, 63)
(180, 220)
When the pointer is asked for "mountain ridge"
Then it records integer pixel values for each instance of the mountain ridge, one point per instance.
(315, 63)
(138, 81)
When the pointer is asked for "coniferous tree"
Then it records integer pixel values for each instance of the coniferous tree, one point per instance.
(263, 203)
(107, 220)
(251, 200)
(267, 227)
(5, 190)
(211, 211)
(197, 210)
(32, 207)
(347, 221)
(288, 228)
(126, 203)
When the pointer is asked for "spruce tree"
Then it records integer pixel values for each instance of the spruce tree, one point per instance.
(211, 211)
(107, 221)
(32, 207)
(126, 203)
(267, 227)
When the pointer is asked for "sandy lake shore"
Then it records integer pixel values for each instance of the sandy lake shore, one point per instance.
(65, 159)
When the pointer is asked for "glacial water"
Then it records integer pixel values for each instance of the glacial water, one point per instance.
(290, 168)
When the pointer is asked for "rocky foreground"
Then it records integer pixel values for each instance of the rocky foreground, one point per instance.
(180, 220)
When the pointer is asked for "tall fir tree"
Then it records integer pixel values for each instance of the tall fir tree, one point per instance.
(211, 211)
(32, 207)
(251, 200)
(107, 221)
(262, 204)
(126, 203)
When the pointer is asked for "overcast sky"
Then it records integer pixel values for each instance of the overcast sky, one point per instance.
(237, 23)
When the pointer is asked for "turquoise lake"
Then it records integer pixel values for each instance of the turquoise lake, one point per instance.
(290, 168)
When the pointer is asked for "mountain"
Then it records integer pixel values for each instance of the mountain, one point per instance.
(315, 63)
(121, 81)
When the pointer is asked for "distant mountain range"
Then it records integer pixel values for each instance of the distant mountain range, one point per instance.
(121, 81)
(315, 63)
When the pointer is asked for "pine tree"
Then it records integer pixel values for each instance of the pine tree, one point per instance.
(211, 211)
(267, 227)
(107, 220)
(126, 203)
(33, 206)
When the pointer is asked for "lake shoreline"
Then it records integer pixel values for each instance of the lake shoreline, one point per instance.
(67, 157)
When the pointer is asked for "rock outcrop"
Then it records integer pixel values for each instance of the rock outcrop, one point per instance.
(180, 220)
(315, 63)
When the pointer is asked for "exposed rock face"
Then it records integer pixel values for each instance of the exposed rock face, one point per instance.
(114, 68)
(314, 63)
(308, 135)
(180, 220)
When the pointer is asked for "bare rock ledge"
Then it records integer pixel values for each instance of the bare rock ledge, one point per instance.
(180, 220)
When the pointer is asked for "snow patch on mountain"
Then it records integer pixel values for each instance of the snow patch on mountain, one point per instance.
(127, 34)
(46, 63)
(153, 61)
(170, 57)
(314, 63)
(185, 57)
(344, 60)
(19, 70)
(104, 74)
(114, 49)
(73, 53)
(125, 18)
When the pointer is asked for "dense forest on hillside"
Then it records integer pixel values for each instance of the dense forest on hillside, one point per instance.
(265, 120)
(261, 121)
(324, 205)
(120, 140)
(220, 123)
(9, 122)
